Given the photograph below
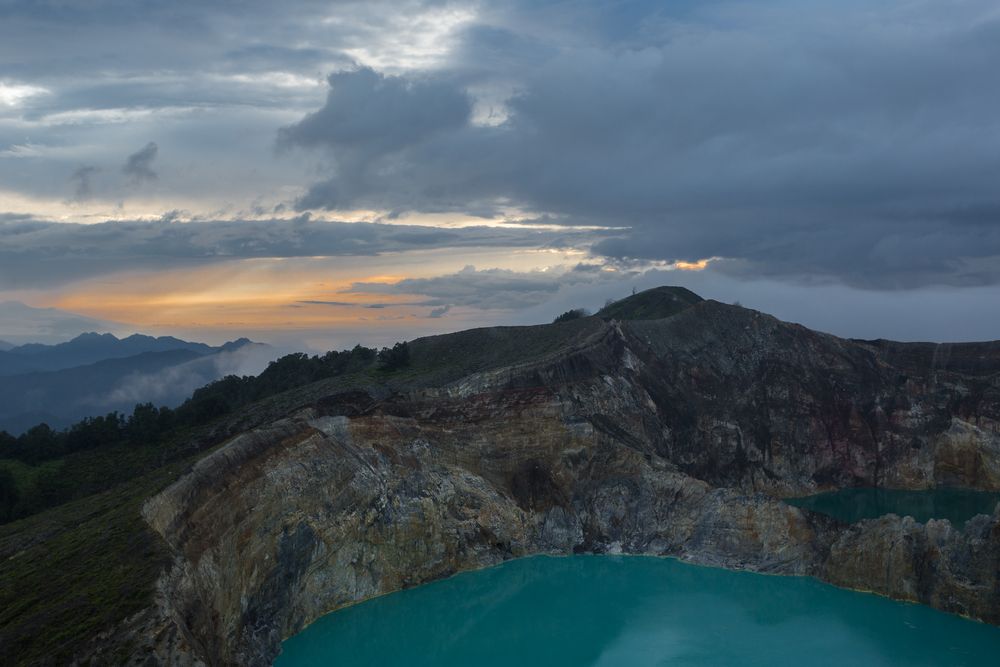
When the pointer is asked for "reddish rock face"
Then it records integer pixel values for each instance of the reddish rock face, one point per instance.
(672, 437)
(755, 403)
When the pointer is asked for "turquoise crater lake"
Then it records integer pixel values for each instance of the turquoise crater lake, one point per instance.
(851, 505)
(635, 611)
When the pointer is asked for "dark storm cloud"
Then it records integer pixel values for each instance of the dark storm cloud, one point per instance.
(139, 165)
(368, 118)
(834, 140)
(36, 253)
(380, 114)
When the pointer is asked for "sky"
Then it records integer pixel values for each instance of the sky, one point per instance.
(318, 174)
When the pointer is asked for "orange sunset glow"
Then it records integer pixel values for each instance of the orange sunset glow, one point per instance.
(277, 293)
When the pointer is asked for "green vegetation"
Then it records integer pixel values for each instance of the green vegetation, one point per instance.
(73, 571)
(9, 494)
(395, 357)
(652, 304)
(574, 314)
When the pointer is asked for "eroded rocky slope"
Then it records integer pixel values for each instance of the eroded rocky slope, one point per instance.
(670, 437)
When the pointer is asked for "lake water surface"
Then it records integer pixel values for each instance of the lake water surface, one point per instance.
(635, 611)
(850, 505)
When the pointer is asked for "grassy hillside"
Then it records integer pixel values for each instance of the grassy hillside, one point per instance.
(75, 570)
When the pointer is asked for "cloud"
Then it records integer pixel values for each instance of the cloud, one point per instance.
(37, 253)
(853, 142)
(139, 165)
(172, 385)
(367, 117)
(492, 289)
(381, 114)
(314, 302)
(840, 149)
(82, 180)
(212, 80)
(439, 312)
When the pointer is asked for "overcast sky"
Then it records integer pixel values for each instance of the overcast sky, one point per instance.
(327, 173)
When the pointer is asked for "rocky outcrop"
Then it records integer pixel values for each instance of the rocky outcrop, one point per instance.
(672, 437)
(932, 563)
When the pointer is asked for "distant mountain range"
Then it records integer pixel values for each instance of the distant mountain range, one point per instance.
(94, 374)
(21, 323)
(89, 348)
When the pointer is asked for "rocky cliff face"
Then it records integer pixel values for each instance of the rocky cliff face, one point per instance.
(669, 437)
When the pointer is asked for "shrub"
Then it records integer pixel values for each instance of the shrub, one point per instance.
(396, 357)
(575, 314)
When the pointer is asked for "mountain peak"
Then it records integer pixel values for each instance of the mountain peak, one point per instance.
(651, 304)
(140, 337)
(236, 344)
(93, 336)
